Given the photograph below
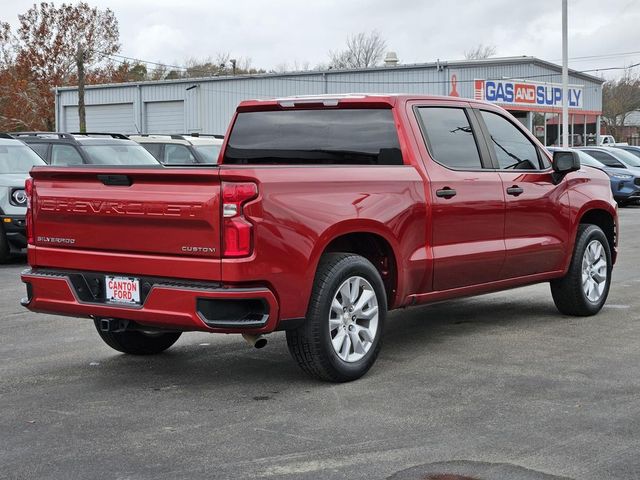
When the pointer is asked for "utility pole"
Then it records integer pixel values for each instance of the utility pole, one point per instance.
(565, 78)
(81, 110)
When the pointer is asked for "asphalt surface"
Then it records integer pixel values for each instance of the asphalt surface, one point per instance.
(494, 387)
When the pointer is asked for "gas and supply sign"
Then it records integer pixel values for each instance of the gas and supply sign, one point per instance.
(526, 93)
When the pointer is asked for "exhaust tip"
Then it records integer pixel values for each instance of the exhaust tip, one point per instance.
(256, 341)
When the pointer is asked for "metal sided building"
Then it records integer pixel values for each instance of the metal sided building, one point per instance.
(528, 87)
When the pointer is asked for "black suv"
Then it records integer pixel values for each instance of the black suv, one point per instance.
(86, 148)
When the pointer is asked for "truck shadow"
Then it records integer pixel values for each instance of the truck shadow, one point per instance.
(215, 362)
(16, 259)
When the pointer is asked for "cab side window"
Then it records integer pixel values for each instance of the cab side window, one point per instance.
(513, 150)
(449, 137)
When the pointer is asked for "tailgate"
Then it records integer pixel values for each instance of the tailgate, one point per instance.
(145, 211)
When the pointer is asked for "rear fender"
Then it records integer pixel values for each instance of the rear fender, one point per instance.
(361, 226)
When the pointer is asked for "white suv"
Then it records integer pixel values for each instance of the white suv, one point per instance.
(181, 149)
(16, 159)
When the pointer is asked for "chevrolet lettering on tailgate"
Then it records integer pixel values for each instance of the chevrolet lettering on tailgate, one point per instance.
(120, 207)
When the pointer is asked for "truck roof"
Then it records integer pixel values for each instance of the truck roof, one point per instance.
(382, 100)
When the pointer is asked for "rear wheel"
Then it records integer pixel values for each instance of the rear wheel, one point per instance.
(584, 289)
(136, 342)
(341, 336)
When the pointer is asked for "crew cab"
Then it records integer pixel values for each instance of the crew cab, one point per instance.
(324, 213)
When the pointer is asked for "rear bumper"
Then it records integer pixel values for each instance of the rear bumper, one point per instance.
(166, 303)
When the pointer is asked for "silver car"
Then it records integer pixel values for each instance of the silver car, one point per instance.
(16, 160)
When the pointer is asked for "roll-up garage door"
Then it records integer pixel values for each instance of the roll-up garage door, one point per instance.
(165, 117)
(116, 118)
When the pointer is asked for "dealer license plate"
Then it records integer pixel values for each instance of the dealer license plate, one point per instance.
(124, 290)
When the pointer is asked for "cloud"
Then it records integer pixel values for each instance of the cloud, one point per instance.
(286, 31)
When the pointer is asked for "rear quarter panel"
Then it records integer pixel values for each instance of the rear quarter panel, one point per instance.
(301, 209)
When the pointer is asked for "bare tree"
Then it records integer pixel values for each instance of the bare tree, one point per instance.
(50, 44)
(619, 98)
(296, 66)
(481, 52)
(158, 72)
(362, 50)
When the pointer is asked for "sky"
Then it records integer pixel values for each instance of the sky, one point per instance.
(276, 32)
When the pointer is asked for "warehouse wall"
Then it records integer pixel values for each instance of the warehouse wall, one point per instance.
(208, 104)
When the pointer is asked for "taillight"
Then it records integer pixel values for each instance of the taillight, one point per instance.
(28, 190)
(237, 230)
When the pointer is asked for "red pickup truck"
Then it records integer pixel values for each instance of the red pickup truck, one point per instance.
(323, 214)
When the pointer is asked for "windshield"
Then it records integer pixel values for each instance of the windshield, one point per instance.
(632, 151)
(209, 153)
(119, 155)
(629, 158)
(586, 159)
(18, 159)
(605, 157)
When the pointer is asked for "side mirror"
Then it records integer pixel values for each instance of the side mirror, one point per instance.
(564, 162)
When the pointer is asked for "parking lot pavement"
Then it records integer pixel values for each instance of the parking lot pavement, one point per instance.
(499, 386)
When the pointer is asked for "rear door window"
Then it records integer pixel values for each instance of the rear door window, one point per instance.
(177, 155)
(65, 155)
(449, 137)
(154, 149)
(314, 137)
(40, 149)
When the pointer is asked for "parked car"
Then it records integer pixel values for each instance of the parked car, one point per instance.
(190, 149)
(86, 148)
(607, 140)
(614, 157)
(16, 160)
(324, 213)
(625, 182)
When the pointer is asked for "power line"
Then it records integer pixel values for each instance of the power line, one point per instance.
(604, 55)
(148, 62)
(290, 78)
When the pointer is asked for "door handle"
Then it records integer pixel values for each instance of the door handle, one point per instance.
(446, 192)
(515, 190)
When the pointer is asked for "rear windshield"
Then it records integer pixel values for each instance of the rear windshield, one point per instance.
(312, 137)
(18, 159)
(119, 155)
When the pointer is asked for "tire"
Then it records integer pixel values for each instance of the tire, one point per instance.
(572, 294)
(5, 252)
(357, 342)
(136, 342)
